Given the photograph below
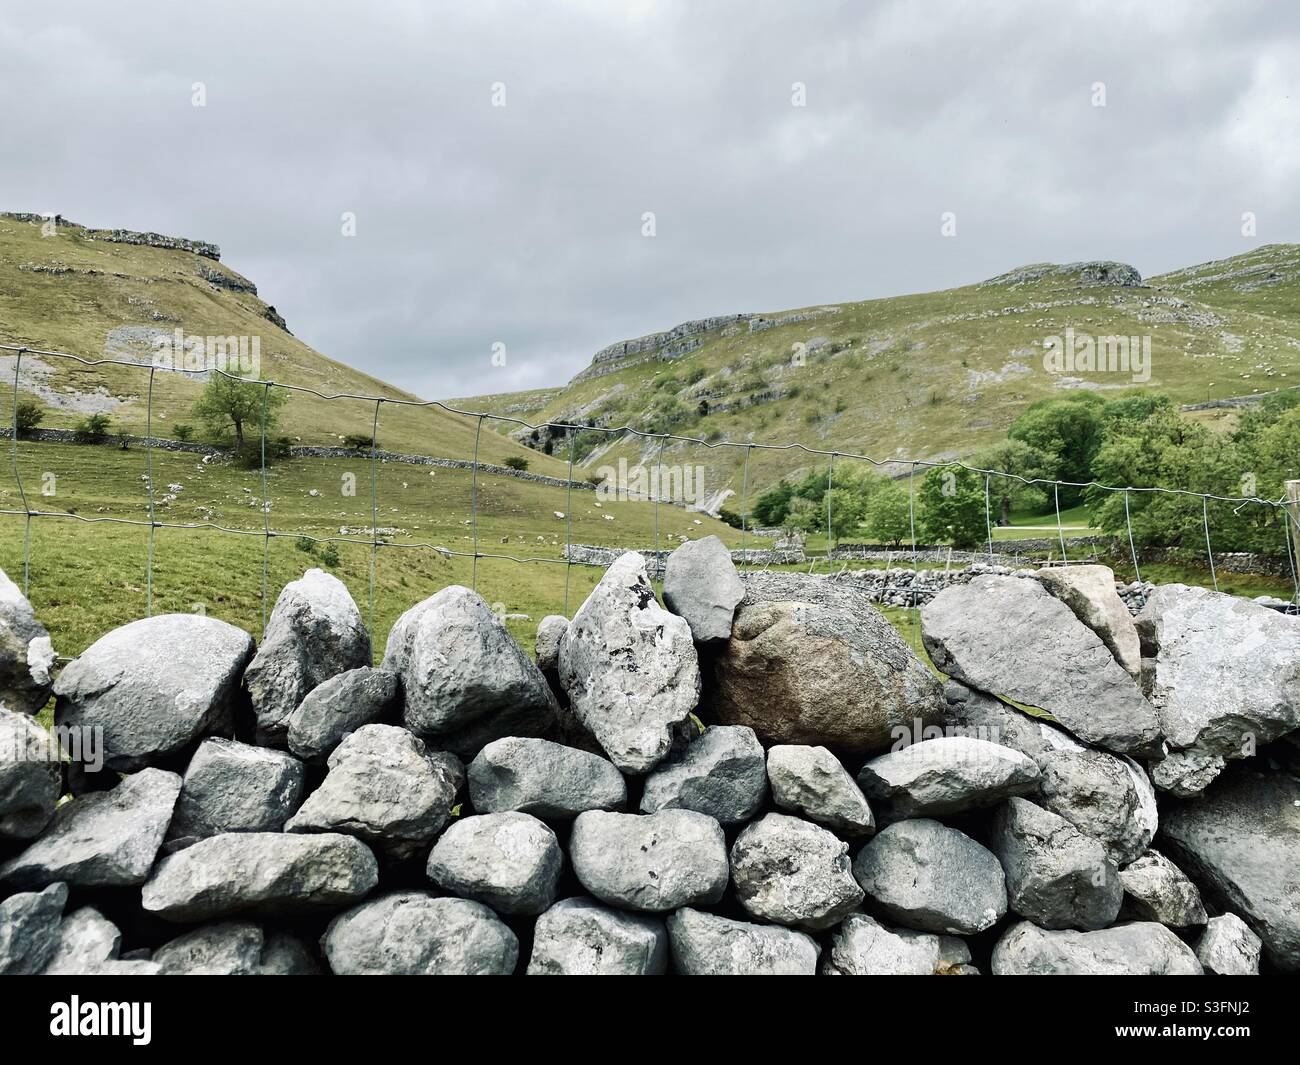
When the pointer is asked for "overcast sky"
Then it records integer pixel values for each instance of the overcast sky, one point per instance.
(479, 224)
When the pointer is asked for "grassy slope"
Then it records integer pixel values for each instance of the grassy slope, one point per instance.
(116, 285)
(943, 374)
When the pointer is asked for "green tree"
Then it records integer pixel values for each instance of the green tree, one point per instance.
(1006, 494)
(887, 514)
(28, 415)
(1069, 431)
(951, 507)
(230, 405)
(770, 507)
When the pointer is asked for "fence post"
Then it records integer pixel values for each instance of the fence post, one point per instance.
(1293, 507)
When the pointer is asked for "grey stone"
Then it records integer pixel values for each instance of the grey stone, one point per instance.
(1228, 947)
(1056, 876)
(384, 787)
(29, 929)
(1104, 796)
(629, 668)
(580, 937)
(315, 632)
(550, 634)
(271, 873)
(154, 686)
(26, 655)
(544, 779)
(286, 955)
(723, 773)
(1009, 636)
(862, 946)
(86, 939)
(231, 948)
(1157, 890)
(339, 706)
(509, 861)
(945, 776)
(1239, 841)
(932, 878)
(411, 933)
(1089, 591)
(234, 787)
(1141, 949)
(31, 776)
(983, 717)
(466, 682)
(1187, 773)
(1224, 675)
(704, 944)
(811, 782)
(793, 872)
(811, 660)
(700, 585)
(651, 862)
(104, 839)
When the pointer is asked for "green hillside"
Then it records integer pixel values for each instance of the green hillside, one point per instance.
(930, 376)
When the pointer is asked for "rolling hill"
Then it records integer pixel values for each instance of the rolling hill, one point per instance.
(926, 376)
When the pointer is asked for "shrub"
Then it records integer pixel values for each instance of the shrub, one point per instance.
(517, 462)
(183, 432)
(329, 555)
(306, 545)
(29, 416)
(93, 429)
(359, 441)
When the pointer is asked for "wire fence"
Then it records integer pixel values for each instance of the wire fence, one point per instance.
(569, 430)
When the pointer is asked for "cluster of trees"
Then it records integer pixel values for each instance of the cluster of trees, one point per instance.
(1138, 440)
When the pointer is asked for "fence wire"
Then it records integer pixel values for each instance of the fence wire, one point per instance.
(570, 431)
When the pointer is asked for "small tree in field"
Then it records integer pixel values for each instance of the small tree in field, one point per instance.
(230, 405)
(29, 416)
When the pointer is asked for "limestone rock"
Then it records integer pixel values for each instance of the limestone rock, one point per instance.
(465, 680)
(1089, 591)
(104, 839)
(932, 878)
(1156, 890)
(339, 706)
(85, 941)
(29, 929)
(861, 946)
(31, 776)
(1240, 843)
(1008, 636)
(629, 668)
(811, 782)
(580, 937)
(411, 933)
(945, 776)
(544, 779)
(154, 686)
(650, 862)
(704, 944)
(384, 787)
(234, 787)
(1224, 675)
(271, 873)
(231, 948)
(1140, 949)
(509, 861)
(701, 585)
(1056, 876)
(1228, 947)
(550, 634)
(723, 773)
(26, 655)
(315, 632)
(793, 872)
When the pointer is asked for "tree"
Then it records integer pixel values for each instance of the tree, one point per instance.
(517, 462)
(847, 508)
(1006, 494)
(228, 404)
(1069, 431)
(952, 506)
(888, 517)
(771, 506)
(92, 429)
(28, 415)
(183, 432)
